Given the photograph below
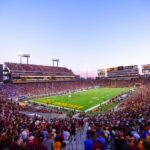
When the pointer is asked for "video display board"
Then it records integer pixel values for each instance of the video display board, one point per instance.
(101, 72)
(123, 71)
(146, 69)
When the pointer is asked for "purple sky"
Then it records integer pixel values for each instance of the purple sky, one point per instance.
(85, 35)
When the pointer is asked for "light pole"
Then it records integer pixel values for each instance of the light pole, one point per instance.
(57, 62)
(27, 56)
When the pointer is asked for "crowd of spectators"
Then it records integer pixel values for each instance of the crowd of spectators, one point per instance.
(127, 128)
(31, 90)
(18, 131)
(39, 69)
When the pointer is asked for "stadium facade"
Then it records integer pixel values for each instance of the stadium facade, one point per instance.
(24, 73)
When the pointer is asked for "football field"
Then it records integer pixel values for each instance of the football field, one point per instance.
(82, 100)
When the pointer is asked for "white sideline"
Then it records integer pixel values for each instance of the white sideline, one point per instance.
(97, 105)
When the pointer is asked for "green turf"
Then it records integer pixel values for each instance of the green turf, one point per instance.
(82, 100)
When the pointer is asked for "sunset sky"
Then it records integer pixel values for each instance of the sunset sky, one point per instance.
(85, 35)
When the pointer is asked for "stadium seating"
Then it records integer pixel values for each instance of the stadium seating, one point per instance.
(37, 69)
(125, 128)
(18, 131)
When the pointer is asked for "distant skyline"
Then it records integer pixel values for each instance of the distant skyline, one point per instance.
(85, 35)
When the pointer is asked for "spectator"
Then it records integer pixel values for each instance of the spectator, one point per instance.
(49, 143)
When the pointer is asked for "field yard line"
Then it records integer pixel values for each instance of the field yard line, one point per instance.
(97, 105)
(78, 91)
(56, 106)
(71, 108)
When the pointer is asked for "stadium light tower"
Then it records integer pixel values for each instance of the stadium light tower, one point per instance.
(55, 60)
(27, 56)
(86, 71)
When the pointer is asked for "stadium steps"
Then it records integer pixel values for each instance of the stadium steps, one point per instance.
(78, 142)
(108, 147)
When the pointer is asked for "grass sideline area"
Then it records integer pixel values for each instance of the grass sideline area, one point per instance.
(82, 100)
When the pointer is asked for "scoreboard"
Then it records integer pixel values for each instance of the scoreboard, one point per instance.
(101, 72)
(1, 73)
(146, 69)
(123, 71)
